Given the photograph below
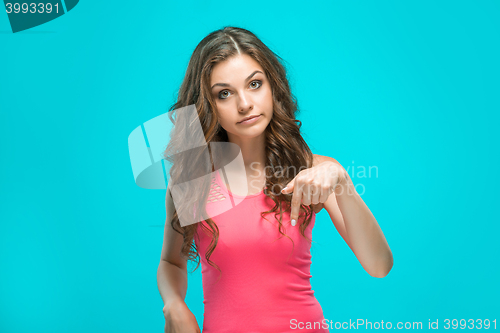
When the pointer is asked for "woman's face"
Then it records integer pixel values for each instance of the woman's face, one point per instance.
(241, 89)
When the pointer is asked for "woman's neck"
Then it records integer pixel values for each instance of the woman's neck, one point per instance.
(252, 151)
(254, 159)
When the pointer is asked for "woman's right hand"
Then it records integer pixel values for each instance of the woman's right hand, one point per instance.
(179, 319)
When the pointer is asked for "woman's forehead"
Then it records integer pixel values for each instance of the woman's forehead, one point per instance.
(235, 68)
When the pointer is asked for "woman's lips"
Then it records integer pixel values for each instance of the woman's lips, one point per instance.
(250, 121)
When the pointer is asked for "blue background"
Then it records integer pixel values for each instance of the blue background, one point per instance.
(410, 88)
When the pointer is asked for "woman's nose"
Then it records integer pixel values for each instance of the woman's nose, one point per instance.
(244, 103)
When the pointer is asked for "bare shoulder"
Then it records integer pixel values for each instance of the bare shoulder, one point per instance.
(318, 159)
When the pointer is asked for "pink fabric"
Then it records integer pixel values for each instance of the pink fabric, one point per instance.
(263, 286)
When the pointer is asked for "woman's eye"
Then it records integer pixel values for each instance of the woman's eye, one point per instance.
(221, 96)
(257, 81)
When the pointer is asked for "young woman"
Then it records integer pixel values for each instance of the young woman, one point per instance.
(256, 237)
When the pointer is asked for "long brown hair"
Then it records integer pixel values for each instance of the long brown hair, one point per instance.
(285, 146)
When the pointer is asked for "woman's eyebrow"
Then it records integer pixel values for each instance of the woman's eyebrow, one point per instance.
(227, 85)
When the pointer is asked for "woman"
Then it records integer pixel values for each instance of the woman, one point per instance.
(256, 217)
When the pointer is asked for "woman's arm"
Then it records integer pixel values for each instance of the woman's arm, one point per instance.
(357, 225)
(172, 270)
(172, 282)
(172, 279)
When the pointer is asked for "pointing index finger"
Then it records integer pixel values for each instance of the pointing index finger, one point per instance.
(296, 201)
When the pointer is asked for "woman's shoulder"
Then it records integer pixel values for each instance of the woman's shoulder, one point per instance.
(318, 159)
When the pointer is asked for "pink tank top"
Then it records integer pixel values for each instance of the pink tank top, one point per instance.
(264, 286)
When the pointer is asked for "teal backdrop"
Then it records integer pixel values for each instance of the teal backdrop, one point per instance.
(410, 89)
